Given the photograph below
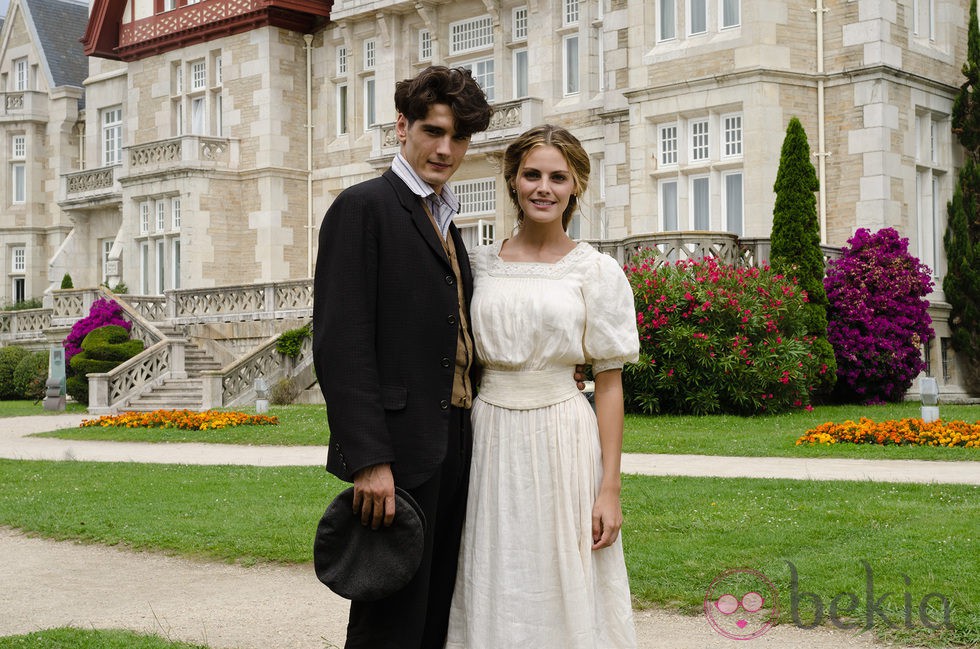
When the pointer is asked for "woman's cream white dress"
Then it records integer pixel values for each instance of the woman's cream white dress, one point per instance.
(528, 577)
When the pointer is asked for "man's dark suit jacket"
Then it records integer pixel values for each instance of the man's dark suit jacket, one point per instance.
(385, 327)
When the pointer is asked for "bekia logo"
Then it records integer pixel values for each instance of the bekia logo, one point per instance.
(741, 604)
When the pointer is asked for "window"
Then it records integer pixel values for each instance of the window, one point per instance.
(482, 71)
(927, 356)
(668, 204)
(730, 13)
(469, 35)
(520, 74)
(145, 218)
(519, 24)
(370, 117)
(700, 203)
(18, 260)
(570, 65)
(699, 140)
(668, 145)
(945, 344)
(933, 163)
(476, 196)
(369, 54)
(199, 76)
(732, 127)
(218, 73)
(161, 216)
(144, 268)
(175, 263)
(161, 266)
(570, 12)
(169, 5)
(477, 234)
(668, 20)
(924, 18)
(111, 136)
(425, 45)
(219, 119)
(179, 79)
(341, 61)
(179, 118)
(106, 250)
(733, 202)
(698, 17)
(19, 148)
(175, 213)
(198, 116)
(19, 179)
(342, 109)
(19, 289)
(21, 74)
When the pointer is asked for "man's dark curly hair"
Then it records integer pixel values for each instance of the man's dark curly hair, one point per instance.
(454, 87)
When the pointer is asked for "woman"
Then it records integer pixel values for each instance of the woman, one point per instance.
(542, 563)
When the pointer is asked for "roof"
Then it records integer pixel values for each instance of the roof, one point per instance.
(60, 25)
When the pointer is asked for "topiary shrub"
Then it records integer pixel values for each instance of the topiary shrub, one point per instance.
(102, 349)
(10, 357)
(101, 313)
(66, 282)
(718, 339)
(31, 376)
(878, 316)
(284, 392)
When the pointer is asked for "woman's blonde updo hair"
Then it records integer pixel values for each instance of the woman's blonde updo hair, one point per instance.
(570, 148)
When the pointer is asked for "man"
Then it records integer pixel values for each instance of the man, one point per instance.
(393, 352)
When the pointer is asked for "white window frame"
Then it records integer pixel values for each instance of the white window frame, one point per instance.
(161, 215)
(161, 269)
(106, 251)
(484, 72)
(18, 148)
(175, 263)
(343, 116)
(571, 78)
(477, 196)
(18, 259)
(370, 54)
(144, 218)
(341, 60)
(690, 17)
(664, 226)
(18, 178)
(520, 75)
(21, 75)
(663, 23)
(721, 14)
(199, 115)
(470, 35)
(175, 213)
(112, 136)
(700, 139)
(370, 103)
(518, 21)
(144, 267)
(667, 144)
(732, 135)
(695, 215)
(738, 227)
(218, 71)
(18, 289)
(199, 75)
(570, 12)
(425, 45)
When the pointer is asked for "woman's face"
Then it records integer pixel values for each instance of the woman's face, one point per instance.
(544, 185)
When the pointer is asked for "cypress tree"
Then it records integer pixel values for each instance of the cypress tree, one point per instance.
(961, 284)
(795, 241)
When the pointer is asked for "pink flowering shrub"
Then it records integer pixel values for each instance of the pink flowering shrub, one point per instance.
(102, 312)
(878, 316)
(718, 339)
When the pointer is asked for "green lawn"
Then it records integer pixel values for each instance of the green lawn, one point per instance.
(27, 408)
(75, 638)
(773, 435)
(680, 532)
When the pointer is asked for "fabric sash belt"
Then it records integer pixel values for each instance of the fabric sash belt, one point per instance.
(526, 389)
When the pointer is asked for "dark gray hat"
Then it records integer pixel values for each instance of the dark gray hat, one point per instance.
(363, 564)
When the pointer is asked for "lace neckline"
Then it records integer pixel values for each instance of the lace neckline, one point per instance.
(558, 268)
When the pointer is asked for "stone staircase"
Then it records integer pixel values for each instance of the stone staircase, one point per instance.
(178, 394)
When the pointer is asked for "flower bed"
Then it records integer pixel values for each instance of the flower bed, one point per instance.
(902, 432)
(183, 419)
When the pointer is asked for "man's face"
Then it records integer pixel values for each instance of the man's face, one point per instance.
(432, 146)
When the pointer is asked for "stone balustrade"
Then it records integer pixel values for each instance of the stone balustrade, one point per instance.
(163, 360)
(23, 325)
(277, 300)
(185, 151)
(90, 184)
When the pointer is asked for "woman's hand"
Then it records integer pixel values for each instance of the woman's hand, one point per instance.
(607, 519)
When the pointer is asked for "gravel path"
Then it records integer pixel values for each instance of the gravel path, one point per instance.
(46, 584)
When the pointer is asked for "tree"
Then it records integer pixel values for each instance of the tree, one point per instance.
(795, 241)
(961, 283)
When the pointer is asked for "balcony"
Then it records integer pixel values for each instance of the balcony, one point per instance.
(24, 105)
(90, 187)
(187, 151)
(509, 120)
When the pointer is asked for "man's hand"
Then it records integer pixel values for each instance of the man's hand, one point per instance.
(374, 495)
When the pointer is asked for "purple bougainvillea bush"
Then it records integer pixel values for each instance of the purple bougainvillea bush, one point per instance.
(103, 312)
(878, 316)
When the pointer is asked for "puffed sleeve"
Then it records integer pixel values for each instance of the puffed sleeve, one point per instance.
(611, 338)
(478, 258)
